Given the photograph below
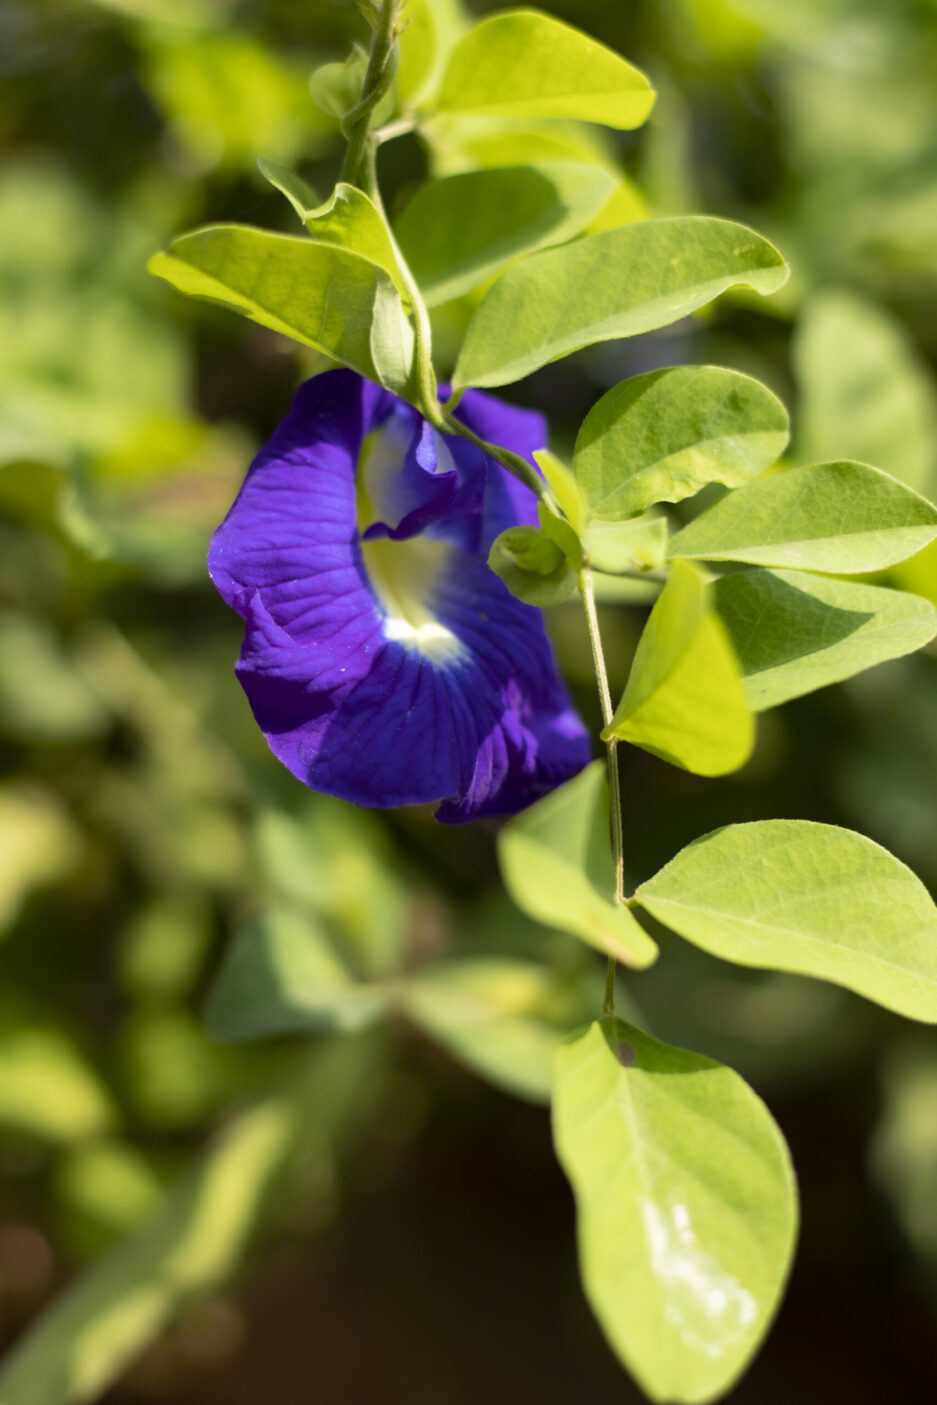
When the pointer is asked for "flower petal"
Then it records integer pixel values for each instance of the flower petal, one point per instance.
(390, 671)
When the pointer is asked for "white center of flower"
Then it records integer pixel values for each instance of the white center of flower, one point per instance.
(401, 574)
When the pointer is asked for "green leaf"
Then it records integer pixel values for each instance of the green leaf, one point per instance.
(458, 231)
(281, 973)
(562, 484)
(556, 863)
(794, 633)
(686, 1206)
(615, 547)
(522, 63)
(865, 390)
(95, 1329)
(610, 285)
(791, 895)
(350, 220)
(684, 700)
(298, 192)
(532, 566)
(47, 1088)
(663, 436)
(488, 1012)
(835, 517)
(417, 49)
(318, 294)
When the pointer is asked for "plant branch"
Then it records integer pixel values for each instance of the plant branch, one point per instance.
(379, 75)
(587, 590)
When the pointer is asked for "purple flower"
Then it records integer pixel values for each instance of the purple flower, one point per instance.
(384, 662)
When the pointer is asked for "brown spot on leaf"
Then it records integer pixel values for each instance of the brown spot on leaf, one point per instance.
(626, 1054)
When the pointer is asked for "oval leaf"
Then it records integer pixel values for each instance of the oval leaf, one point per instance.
(525, 64)
(458, 231)
(610, 285)
(556, 863)
(684, 700)
(812, 899)
(794, 633)
(318, 294)
(836, 517)
(663, 436)
(686, 1206)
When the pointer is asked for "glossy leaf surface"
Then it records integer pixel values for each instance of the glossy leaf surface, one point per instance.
(522, 63)
(318, 294)
(663, 436)
(282, 973)
(686, 1206)
(684, 700)
(556, 863)
(836, 517)
(794, 632)
(616, 284)
(458, 231)
(812, 899)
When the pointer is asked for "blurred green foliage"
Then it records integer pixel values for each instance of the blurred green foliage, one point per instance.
(148, 842)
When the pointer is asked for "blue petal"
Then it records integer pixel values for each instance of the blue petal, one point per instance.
(392, 671)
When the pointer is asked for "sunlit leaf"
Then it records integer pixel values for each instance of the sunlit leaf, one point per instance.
(791, 895)
(663, 436)
(684, 700)
(532, 566)
(458, 231)
(318, 294)
(686, 1206)
(835, 517)
(522, 63)
(610, 285)
(637, 544)
(794, 632)
(556, 862)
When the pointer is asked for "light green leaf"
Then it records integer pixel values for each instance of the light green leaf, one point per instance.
(281, 973)
(638, 544)
(532, 566)
(794, 632)
(663, 436)
(488, 1012)
(562, 484)
(610, 285)
(835, 517)
(96, 1328)
(556, 863)
(318, 294)
(458, 231)
(350, 220)
(686, 1206)
(298, 192)
(865, 391)
(812, 899)
(684, 700)
(417, 49)
(522, 63)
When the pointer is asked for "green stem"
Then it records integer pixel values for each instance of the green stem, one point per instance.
(379, 75)
(512, 462)
(587, 590)
(423, 334)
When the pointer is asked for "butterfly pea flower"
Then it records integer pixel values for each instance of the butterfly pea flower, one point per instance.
(383, 660)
